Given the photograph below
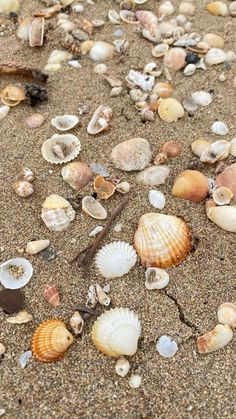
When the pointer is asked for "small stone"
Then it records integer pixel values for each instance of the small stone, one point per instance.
(49, 254)
(192, 58)
(222, 77)
(135, 381)
(118, 228)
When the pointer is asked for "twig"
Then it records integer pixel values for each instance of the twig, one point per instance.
(80, 253)
(13, 68)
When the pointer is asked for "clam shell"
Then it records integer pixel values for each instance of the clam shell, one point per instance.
(51, 340)
(65, 122)
(227, 178)
(101, 51)
(36, 246)
(159, 50)
(115, 259)
(57, 213)
(191, 185)
(223, 216)
(153, 175)
(215, 56)
(222, 195)
(202, 98)
(170, 110)
(198, 146)
(216, 151)
(226, 314)
(15, 273)
(162, 240)
(134, 154)
(116, 332)
(51, 295)
(157, 199)
(93, 208)
(163, 90)
(216, 339)
(100, 120)
(77, 174)
(166, 347)
(69, 144)
(217, 8)
(103, 187)
(174, 58)
(156, 279)
(12, 95)
(36, 32)
(213, 40)
(220, 128)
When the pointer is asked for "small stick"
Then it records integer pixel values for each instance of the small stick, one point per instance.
(13, 68)
(80, 253)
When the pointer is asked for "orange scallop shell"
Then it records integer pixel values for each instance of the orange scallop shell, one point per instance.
(51, 340)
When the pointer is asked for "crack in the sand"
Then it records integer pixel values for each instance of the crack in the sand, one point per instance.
(182, 315)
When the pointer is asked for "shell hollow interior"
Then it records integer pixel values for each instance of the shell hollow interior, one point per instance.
(115, 259)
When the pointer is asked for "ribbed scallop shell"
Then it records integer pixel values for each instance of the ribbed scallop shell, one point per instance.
(170, 110)
(162, 240)
(69, 143)
(115, 259)
(116, 332)
(51, 340)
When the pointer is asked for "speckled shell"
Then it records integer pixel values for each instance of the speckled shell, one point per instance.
(51, 294)
(162, 240)
(134, 154)
(67, 141)
(170, 110)
(115, 259)
(116, 332)
(51, 340)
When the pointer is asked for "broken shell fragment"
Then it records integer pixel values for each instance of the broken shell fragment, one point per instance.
(4, 111)
(77, 174)
(36, 32)
(156, 279)
(100, 120)
(115, 259)
(36, 246)
(24, 28)
(170, 110)
(57, 213)
(157, 199)
(116, 332)
(61, 148)
(191, 185)
(23, 188)
(216, 151)
(21, 318)
(123, 187)
(12, 95)
(226, 314)
(227, 178)
(77, 323)
(153, 175)
(93, 208)
(216, 339)
(134, 154)
(15, 273)
(198, 146)
(171, 149)
(144, 81)
(51, 340)
(103, 187)
(217, 8)
(160, 158)
(220, 128)
(222, 195)
(51, 295)
(223, 216)
(101, 51)
(103, 298)
(65, 122)
(232, 150)
(122, 367)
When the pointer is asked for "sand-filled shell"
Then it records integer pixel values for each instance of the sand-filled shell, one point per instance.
(216, 151)
(216, 339)
(12, 95)
(36, 246)
(57, 213)
(162, 240)
(175, 58)
(217, 8)
(65, 122)
(51, 340)
(116, 332)
(170, 110)
(103, 187)
(100, 120)
(227, 178)
(226, 314)
(15, 273)
(61, 148)
(134, 154)
(156, 279)
(77, 174)
(222, 195)
(36, 32)
(198, 146)
(93, 208)
(191, 185)
(223, 216)
(115, 259)
(153, 175)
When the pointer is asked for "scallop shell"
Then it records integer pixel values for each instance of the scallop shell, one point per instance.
(156, 279)
(227, 178)
(191, 185)
(115, 259)
(222, 195)
(216, 151)
(153, 175)
(171, 149)
(68, 144)
(51, 340)
(51, 294)
(103, 187)
(217, 8)
(134, 154)
(198, 146)
(216, 339)
(15, 273)
(101, 51)
(223, 216)
(162, 240)
(170, 110)
(163, 90)
(174, 58)
(77, 174)
(36, 32)
(12, 95)
(116, 332)
(65, 122)
(93, 208)
(36, 246)
(226, 314)
(100, 120)
(57, 213)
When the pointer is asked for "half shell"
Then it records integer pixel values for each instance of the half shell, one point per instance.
(227, 314)
(61, 148)
(224, 216)
(12, 95)
(191, 185)
(93, 208)
(65, 122)
(227, 178)
(156, 279)
(103, 187)
(222, 195)
(15, 273)
(217, 338)
(216, 151)
(153, 175)
(115, 259)
(170, 110)
(134, 154)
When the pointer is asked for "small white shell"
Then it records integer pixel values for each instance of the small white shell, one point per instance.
(77, 323)
(65, 122)
(189, 70)
(222, 195)
(95, 231)
(215, 56)
(232, 149)
(156, 279)
(4, 111)
(123, 187)
(227, 314)
(157, 199)
(24, 358)
(36, 246)
(135, 381)
(159, 50)
(166, 347)
(122, 367)
(115, 259)
(114, 17)
(216, 151)
(27, 174)
(220, 128)
(101, 51)
(68, 143)
(15, 273)
(100, 120)
(144, 81)
(153, 175)
(93, 208)
(100, 68)
(202, 98)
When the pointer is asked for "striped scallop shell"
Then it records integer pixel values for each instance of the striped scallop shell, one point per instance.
(61, 148)
(162, 240)
(115, 259)
(170, 110)
(51, 340)
(116, 332)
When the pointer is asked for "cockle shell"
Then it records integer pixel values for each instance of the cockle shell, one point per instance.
(101, 51)
(100, 120)
(9, 6)
(77, 323)
(51, 340)
(15, 273)
(36, 32)
(198, 146)
(51, 294)
(57, 213)
(191, 185)
(216, 339)
(174, 58)
(156, 199)
(156, 279)
(215, 56)
(116, 332)
(61, 148)
(93, 208)
(103, 187)
(226, 314)
(227, 178)
(222, 195)
(21, 318)
(65, 122)
(171, 149)
(36, 246)
(170, 110)
(77, 174)
(163, 90)
(134, 154)
(223, 216)
(115, 259)
(12, 95)
(216, 151)
(217, 8)
(153, 175)
(213, 40)
(122, 366)
(23, 188)
(162, 240)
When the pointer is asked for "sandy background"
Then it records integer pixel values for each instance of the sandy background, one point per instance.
(84, 383)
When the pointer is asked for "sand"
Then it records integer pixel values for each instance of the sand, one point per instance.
(84, 383)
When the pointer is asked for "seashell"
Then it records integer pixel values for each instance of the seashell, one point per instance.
(170, 110)
(213, 40)
(116, 332)
(123, 187)
(216, 339)
(215, 56)
(20, 318)
(232, 9)
(92, 297)
(4, 111)
(57, 213)
(166, 9)
(24, 28)
(115, 259)
(198, 146)
(77, 323)
(135, 381)
(189, 69)
(12, 95)
(191, 185)
(61, 148)
(23, 188)
(51, 340)
(166, 347)
(128, 17)
(51, 295)
(114, 17)
(36, 32)
(226, 314)
(100, 120)
(220, 128)
(232, 150)
(103, 187)
(27, 174)
(187, 8)
(144, 81)
(116, 91)
(52, 67)
(103, 298)
(161, 240)
(34, 121)
(86, 46)
(153, 175)
(157, 199)
(222, 195)
(149, 22)
(65, 122)
(163, 90)
(15, 273)
(9, 6)
(100, 68)
(24, 358)
(36, 246)
(227, 178)
(216, 151)
(202, 98)
(49, 11)
(134, 154)
(160, 158)
(174, 58)
(95, 231)
(171, 149)
(77, 174)
(223, 216)
(93, 208)
(101, 51)
(2, 349)
(156, 279)
(159, 50)
(217, 8)
(58, 56)
(122, 367)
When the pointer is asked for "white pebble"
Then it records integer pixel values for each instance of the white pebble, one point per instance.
(135, 381)
(166, 347)
(220, 128)
(118, 228)
(157, 199)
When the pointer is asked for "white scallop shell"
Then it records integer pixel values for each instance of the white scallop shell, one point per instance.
(64, 122)
(116, 332)
(115, 259)
(69, 141)
(11, 282)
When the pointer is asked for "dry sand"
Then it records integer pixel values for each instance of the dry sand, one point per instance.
(84, 383)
